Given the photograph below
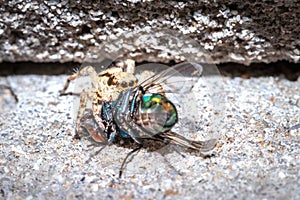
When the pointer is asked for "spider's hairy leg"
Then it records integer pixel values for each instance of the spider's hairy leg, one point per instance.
(97, 115)
(127, 64)
(89, 125)
(89, 70)
(85, 95)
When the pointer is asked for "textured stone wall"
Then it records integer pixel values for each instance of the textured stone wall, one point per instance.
(225, 31)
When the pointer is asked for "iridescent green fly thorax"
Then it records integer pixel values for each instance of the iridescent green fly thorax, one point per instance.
(156, 113)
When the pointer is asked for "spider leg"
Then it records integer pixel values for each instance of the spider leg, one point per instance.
(66, 86)
(96, 108)
(127, 64)
(86, 70)
(84, 96)
(96, 134)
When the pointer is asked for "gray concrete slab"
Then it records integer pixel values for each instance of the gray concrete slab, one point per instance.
(257, 156)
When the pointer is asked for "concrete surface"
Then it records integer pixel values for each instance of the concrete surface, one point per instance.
(257, 156)
(227, 31)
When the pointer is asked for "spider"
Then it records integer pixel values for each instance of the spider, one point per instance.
(106, 87)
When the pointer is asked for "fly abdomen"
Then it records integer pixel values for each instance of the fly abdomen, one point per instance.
(156, 114)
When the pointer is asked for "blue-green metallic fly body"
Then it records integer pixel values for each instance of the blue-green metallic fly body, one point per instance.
(145, 111)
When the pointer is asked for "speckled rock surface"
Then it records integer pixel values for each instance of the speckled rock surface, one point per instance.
(227, 31)
(257, 156)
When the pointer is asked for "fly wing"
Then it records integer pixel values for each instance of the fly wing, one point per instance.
(179, 78)
(177, 83)
(203, 146)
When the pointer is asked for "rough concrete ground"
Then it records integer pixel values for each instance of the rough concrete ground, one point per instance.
(257, 156)
(223, 30)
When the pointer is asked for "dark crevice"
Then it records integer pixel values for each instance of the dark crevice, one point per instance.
(290, 71)
(22, 68)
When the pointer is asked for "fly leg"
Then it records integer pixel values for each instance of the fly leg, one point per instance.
(122, 117)
(127, 156)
